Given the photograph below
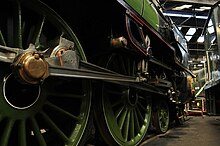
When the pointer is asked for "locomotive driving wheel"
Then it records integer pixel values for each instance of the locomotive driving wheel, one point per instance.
(161, 117)
(180, 116)
(54, 112)
(123, 113)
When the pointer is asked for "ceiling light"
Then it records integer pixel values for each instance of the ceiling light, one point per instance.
(202, 8)
(184, 15)
(191, 31)
(188, 38)
(210, 23)
(200, 39)
(205, 8)
(182, 7)
(196, 9)
(211, 30)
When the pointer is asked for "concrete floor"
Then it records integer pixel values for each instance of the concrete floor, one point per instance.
(196, 131)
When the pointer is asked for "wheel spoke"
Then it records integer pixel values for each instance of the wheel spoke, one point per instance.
(140, 115)
(119, 112)
(122, 118)
(2, 40)
(126, 126)
(6, 133)
(133, 71)
(131, 131)
(54, 127)
(137, 124)
(37, 133)
(58, 109)
(142, 107)
(22, 133)
(122, 66)
(18, 27)
(38, 31)
(129, 67)
(141, 97)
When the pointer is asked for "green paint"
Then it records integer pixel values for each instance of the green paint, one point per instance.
(150, 15)
(146, 10)
(137, 5)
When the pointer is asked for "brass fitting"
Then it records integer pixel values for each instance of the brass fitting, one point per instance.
(30, 67)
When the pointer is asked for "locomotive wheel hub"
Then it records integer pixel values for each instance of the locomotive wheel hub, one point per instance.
(31, 67)
(132, 97)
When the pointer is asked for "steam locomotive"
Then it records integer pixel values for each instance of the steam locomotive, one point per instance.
(69, 67)
(212, 42)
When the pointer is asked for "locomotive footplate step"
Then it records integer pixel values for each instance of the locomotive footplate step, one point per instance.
(197, 130)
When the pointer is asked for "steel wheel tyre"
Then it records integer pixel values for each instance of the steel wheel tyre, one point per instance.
(54, 113)
(161, 117)
(126, 111)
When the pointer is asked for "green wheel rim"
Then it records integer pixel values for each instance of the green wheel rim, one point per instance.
(54, 113)
(126, 110)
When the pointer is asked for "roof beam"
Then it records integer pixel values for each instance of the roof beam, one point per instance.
(204, 2)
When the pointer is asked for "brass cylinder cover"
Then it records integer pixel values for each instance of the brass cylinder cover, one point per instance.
(31, 67)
